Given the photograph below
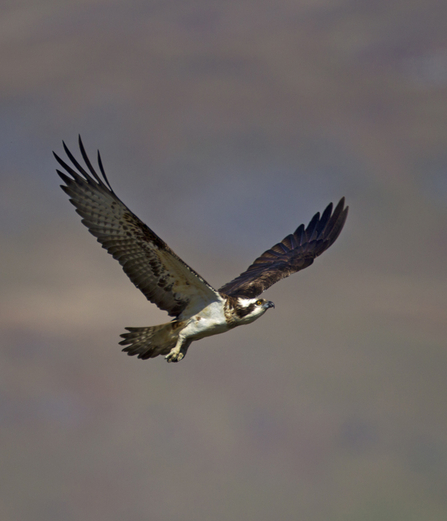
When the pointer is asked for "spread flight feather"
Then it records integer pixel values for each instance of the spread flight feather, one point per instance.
(294, 253)
(146, 259)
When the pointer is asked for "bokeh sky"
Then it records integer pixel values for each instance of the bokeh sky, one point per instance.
(223, 126)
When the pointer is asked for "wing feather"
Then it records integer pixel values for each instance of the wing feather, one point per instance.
(146, 259)
(294, 253)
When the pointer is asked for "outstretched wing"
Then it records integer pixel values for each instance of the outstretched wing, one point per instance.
(146, 259)
(294, 253)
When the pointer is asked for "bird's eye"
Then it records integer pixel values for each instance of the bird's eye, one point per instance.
(259, 302)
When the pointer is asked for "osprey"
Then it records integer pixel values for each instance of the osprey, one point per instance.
(198, 310)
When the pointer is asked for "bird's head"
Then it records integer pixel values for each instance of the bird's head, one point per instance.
(249, 309)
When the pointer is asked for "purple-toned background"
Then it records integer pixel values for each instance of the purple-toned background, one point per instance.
(224, 125)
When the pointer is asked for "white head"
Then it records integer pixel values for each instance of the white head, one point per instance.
(249, 309)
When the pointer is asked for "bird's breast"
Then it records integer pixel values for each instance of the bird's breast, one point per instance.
(209, 321)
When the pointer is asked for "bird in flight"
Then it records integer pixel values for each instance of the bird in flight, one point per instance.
(198, 310)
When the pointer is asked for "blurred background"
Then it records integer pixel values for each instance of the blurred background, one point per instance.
(223, 126)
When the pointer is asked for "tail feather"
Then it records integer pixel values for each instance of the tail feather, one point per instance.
(149, 342)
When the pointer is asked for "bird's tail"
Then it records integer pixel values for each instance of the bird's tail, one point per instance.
(149, 342)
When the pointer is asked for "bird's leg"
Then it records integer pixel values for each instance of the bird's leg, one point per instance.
(178, 352)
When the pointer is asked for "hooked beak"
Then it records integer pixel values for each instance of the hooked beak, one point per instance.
(269, 304)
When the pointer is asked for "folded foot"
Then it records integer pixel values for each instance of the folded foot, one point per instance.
(174, 356)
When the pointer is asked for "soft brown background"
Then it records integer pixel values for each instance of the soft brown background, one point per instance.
(224, 125)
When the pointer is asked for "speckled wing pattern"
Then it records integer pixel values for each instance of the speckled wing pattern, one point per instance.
(146, 259)
(294, 253)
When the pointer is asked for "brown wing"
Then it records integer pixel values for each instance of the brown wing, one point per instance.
(146, 259)
(294, 253)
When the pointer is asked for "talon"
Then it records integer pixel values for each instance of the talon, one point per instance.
(174, 357)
